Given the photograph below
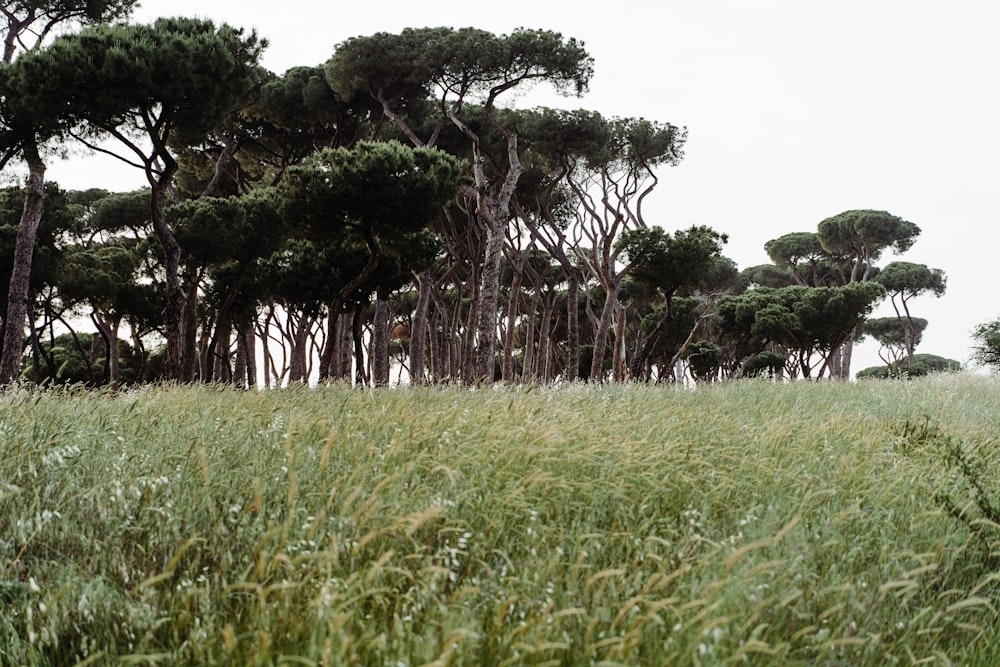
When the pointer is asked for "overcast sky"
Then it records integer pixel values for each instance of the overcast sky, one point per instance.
(796, 111)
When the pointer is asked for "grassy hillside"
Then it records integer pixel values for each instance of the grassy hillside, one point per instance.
(750, 523)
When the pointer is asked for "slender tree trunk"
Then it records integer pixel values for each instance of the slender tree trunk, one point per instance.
(620, 368)
(545, 341)
(300, 346)
(240, 361)
(357, 336)
(440, 345)
(109, 332)
(380, 342)
(19, 289)
(173, 315)
(418, 329)
(189, 330)
(245, 371)
(344, 355)
(603, 331)
(530, 370)
(507, 373)
(217, 368)
(843, 366)
(573, 325)
(639, 366)
(487, 305)
(327, 358)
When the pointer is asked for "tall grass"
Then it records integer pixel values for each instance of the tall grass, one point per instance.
(749, 523)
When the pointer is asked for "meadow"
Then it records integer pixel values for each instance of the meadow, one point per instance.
(746, 523)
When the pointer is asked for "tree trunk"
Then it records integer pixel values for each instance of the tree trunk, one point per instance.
(357, 331)
(380, 342)
(507, 373)
(620, 369)
(488, 303)
(300, 346)
(573, 325)
(603, 330)
(109, 332)
(530, 370)
(418, 330)
(245, 371)
(640, 367)
(20, 286)
(544, 360)
(217, 368)
(173, 315)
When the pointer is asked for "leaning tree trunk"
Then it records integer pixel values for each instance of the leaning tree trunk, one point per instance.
(19, 290)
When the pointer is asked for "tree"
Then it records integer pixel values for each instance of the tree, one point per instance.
(805, 321)
(903, 281)
(668, 263)
(604, 169)
(802, 254)
(459, 66)
(897, 337)
(31, 22)
(986, 351)
(843, 250)
(170, 83)
(923, 364)
(26, 124)
(377, 195)
(102, 274)
(225, 238)
(861, 236)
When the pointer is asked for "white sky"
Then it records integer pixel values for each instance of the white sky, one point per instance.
(796, 111)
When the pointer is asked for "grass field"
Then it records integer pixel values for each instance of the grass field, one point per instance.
(748, 523)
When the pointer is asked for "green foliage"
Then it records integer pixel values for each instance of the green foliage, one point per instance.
(805, 319)
(466, 61)
(58, 217)
(767, 275)
(861, 236)
(923, 364)
(379, 187)
(891, 331)
(80, 359)
(188, 74)
(215, 230)
(703, 358)
(907, 279)
(743, 523)
(987, 348)
(764, 364)
(670, 261)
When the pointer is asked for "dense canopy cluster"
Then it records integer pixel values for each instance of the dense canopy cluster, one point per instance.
(388, 212)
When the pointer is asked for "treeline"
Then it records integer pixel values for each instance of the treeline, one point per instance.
(388, 214)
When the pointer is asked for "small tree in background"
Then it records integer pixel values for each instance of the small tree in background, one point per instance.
(987, 348)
